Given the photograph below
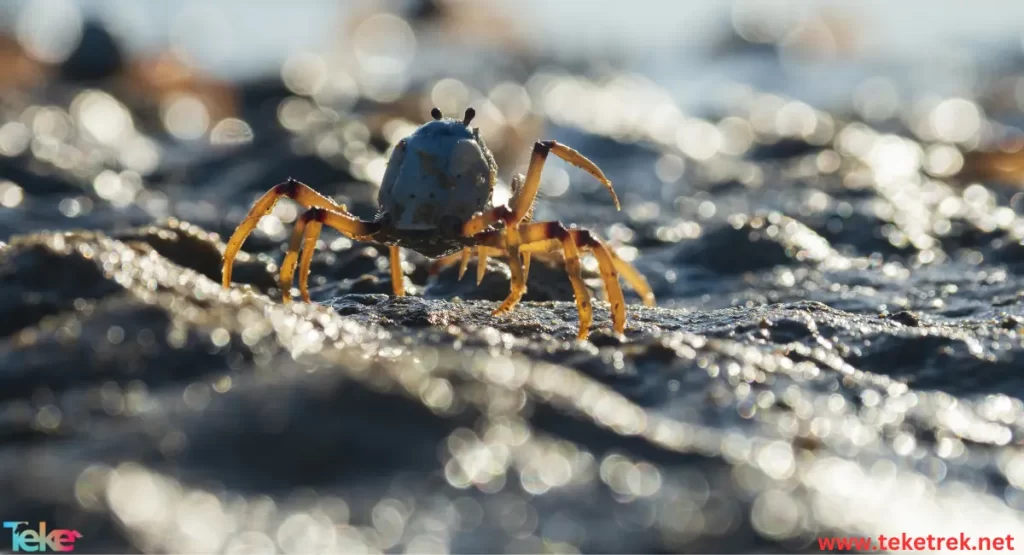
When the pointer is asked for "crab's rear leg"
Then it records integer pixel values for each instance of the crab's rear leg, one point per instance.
(586, 241)
(299, 192)
(515, 266)
(397, 276)
(462, 257)
(633, 277)
(306, 232)
(543, 237)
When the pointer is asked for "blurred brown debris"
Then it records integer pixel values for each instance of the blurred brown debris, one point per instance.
(1004, 164)
(18, 70)
(480, 22)
(156, 79)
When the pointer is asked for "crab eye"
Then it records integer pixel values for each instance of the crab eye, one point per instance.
(450, 225)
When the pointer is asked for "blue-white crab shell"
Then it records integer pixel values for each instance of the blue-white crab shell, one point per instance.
(437, 178)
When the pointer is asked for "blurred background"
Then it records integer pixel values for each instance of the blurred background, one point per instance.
(235, 39)
(158, 82)
(825, 197)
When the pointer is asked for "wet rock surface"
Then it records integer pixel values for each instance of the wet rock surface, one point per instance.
(836, 351)
(145, 384)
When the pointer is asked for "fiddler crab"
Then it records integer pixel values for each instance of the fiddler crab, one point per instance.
(435, 198)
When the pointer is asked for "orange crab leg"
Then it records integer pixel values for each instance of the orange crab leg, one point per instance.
(295, 190)
(629, 273)
(308, 248)
(541, 237)
(464, 263)
(587, 241)
(481, 264)
(397, 277)
(515, 265)
(525, 197)
(306, 232)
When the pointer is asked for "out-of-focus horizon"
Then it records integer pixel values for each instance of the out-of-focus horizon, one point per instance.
(236, 39)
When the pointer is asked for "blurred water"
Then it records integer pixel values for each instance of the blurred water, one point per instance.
(235, 38)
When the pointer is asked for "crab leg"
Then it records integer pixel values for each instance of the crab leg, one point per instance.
(464, 263)
(462, 257)
(306, 232)
(585, 240)
(542, 237)
(291, 260)
(308, 248)
(515, 265)
(524, 195)
(299, 192)
(524, 198)
(397, 277)
(481, 265)
(634, 278)
(636, 281)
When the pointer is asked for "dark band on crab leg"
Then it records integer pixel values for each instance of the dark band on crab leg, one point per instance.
(295, 190)
(397, 277)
